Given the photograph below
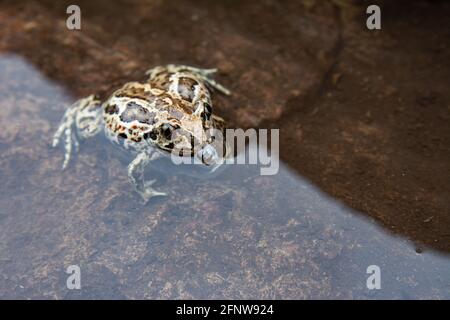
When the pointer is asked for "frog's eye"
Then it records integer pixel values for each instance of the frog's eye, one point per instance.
(166, 130)
(207, 111)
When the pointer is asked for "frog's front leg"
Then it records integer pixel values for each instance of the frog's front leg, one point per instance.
(83, 119)
(136, 175)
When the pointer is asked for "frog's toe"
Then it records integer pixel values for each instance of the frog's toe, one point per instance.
(69, 141)
(208, 71)
(150, 190)
(69, 150)
(149, 193)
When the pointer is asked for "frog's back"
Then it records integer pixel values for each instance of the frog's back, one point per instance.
(131, 113)
(184, 87)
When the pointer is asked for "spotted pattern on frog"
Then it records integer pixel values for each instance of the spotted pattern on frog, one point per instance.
(173, 107)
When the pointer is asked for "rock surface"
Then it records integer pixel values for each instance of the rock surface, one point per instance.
(374, 138)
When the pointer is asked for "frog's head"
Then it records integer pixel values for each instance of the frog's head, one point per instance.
(195, 135)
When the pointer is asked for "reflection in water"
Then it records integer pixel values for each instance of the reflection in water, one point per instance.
(237, 235)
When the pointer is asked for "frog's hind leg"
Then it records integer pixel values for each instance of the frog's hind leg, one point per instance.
(82, 119)
(136, 176)
(203, 74)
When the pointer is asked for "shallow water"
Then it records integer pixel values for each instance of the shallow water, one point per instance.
(239, 235)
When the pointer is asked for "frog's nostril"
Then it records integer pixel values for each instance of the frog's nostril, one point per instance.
(208, 155)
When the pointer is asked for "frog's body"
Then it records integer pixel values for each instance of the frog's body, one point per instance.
(172, 109)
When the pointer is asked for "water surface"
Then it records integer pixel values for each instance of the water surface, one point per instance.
(238, 235)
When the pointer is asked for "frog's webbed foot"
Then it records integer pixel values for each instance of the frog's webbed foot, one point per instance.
(204, 74)
(150, 192)
(84, 116)
(136, 176)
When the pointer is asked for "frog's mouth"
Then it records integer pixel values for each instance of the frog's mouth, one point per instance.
(214, 154)
(205, 150)
(207, 154)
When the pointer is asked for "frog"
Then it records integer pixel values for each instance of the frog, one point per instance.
(171, 109)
